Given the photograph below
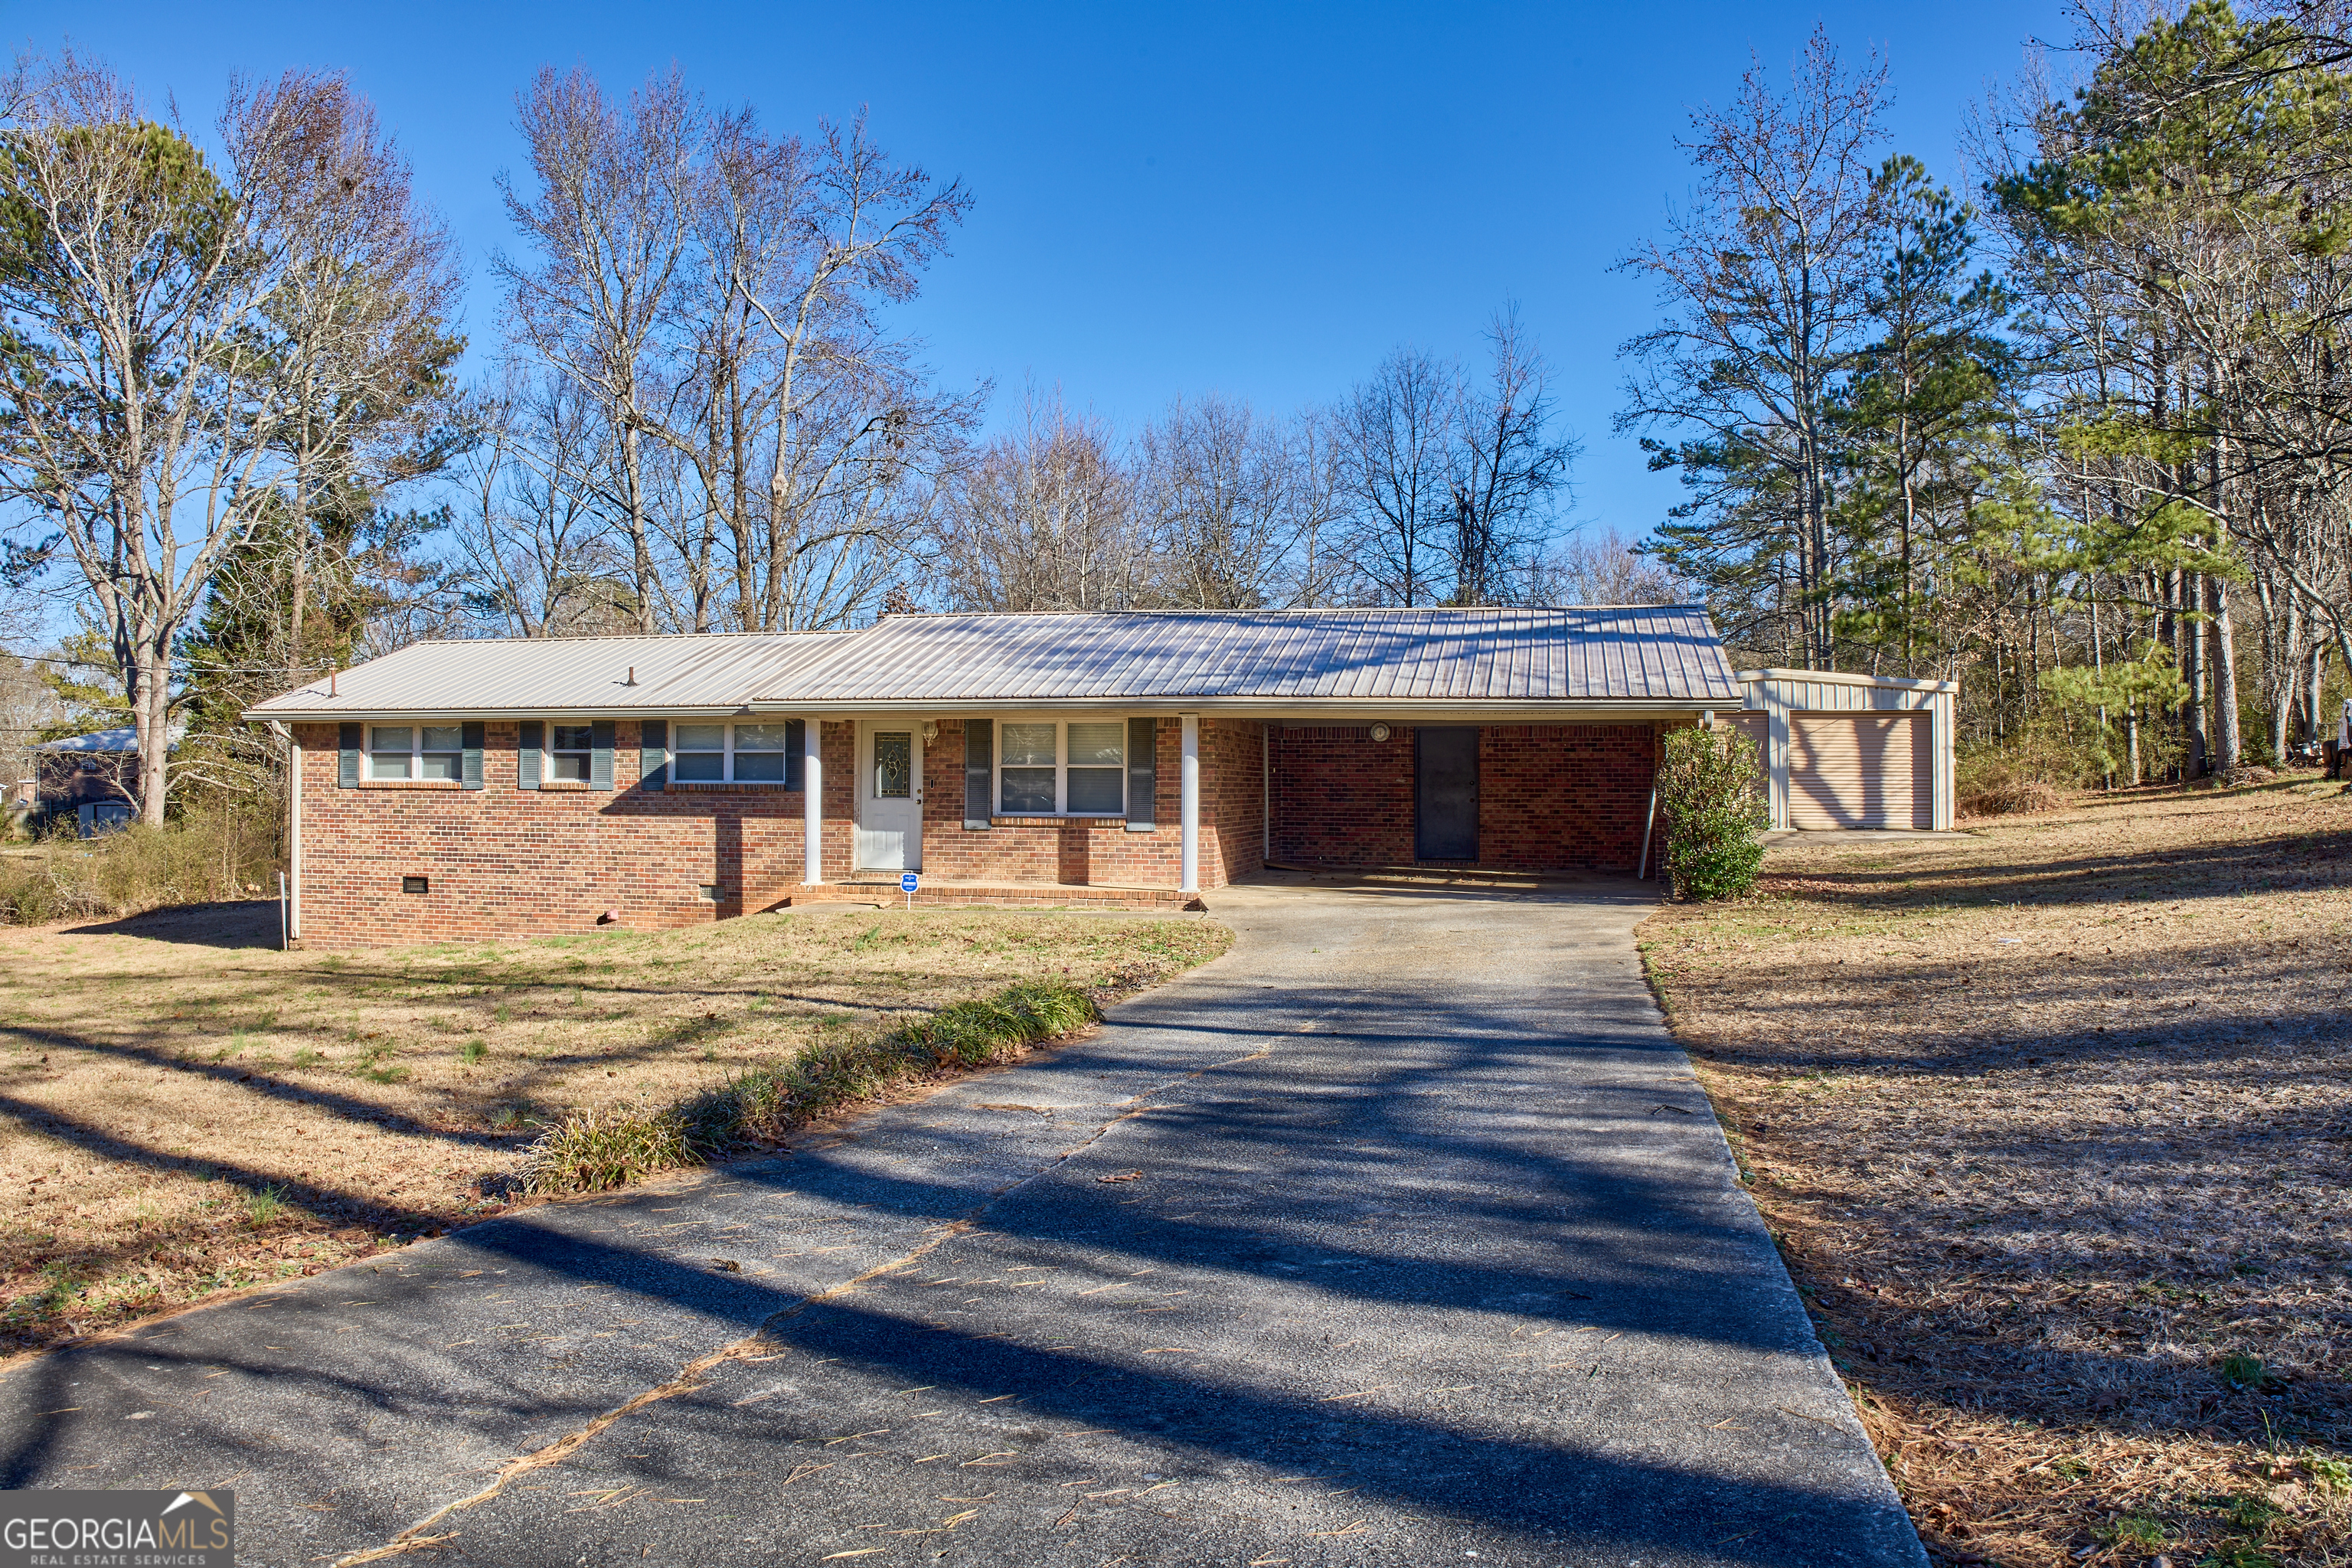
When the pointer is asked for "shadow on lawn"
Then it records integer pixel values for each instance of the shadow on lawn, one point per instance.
(2114, 1202)
(1859, 877)
(244, 923)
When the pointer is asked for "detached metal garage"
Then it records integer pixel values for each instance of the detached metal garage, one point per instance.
(1852, 751)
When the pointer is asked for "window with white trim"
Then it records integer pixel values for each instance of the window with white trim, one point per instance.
(416, 752)
(571, 749)
(1052, 768)
(732, 754)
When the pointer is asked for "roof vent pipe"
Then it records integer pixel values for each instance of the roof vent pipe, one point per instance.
(330, 683)
(633, 677)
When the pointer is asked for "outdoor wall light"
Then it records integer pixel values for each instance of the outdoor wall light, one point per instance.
(1380, 732)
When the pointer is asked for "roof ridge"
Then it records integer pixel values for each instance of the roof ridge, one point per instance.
(621, 637)
(1300, 610)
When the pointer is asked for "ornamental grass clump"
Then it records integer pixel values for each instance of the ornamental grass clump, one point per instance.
(608, 1147)
(1711, 806)
(593, 1150)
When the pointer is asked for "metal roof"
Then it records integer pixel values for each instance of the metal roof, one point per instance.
(1495, 658)
(711, 673)
(125, 739)
(1667, 654)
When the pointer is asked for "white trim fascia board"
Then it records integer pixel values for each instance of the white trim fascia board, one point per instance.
(1838, 678)
(1366, 709)
(535, 711)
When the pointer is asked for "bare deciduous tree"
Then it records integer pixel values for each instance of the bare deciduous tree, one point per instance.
(1397, 450)
(1044, 519)
(1510, 471)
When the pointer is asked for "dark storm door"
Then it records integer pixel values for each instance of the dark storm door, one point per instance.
(1446, 804)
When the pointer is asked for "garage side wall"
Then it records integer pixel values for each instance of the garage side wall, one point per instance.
(1551, 797)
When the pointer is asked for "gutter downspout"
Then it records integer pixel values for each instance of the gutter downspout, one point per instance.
(293, 831)
(1649, 822)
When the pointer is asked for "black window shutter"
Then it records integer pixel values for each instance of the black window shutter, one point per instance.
(979, 760)
(600, 758)
(529, 738)
(652, 754)
(795, 753)
(473, 761)
(1142, 774)
(349, 775)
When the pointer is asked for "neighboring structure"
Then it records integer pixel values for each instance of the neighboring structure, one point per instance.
(1852, 751)
(520, 787)
(92, 778)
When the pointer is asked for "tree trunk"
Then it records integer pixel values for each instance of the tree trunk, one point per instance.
(2194, 750)
(2228, 747)
(151, 707)
(2310, 692)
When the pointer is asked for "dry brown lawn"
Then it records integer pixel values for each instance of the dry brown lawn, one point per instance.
(186, 1109)
(2053, 1128)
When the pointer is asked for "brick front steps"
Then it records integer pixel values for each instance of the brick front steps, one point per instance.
(1013, 895)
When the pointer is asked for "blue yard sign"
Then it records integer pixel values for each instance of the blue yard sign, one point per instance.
(906, 880)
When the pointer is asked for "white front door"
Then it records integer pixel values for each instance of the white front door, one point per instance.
(889, 798)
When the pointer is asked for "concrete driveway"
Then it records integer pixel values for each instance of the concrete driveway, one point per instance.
(1402, 1234)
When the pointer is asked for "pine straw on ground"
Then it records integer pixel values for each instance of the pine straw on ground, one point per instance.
(2051, 1126)
(185, 1109)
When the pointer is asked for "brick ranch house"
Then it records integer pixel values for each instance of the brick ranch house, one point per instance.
(529, 787)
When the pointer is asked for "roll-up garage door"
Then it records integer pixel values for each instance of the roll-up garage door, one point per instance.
(1860, 770)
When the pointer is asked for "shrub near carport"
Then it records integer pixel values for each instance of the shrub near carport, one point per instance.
(1711, 803)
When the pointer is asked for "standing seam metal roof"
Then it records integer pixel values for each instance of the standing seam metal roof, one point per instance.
(1629, 654)
(1666, 653)
(582, 675)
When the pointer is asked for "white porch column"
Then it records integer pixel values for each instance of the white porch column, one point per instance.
(812, 799)
(1190, 834)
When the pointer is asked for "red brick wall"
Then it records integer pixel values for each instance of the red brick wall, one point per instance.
(504, 861)
(1232, 800)
(1102, 850)
(1551, 797)
(1564, 797)
(1341, 798)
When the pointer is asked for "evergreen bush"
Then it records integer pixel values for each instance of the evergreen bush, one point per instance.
(1711, 806)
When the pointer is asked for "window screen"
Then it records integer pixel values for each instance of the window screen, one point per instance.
(443, 753)
(1025, 768)
(701, 756)
(389, 746)
(760, 753)
(1097, 767)
(569, 749)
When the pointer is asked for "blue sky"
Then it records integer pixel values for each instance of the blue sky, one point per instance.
(1254, 200)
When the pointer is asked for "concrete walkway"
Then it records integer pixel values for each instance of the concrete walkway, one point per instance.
(1400, 1235)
